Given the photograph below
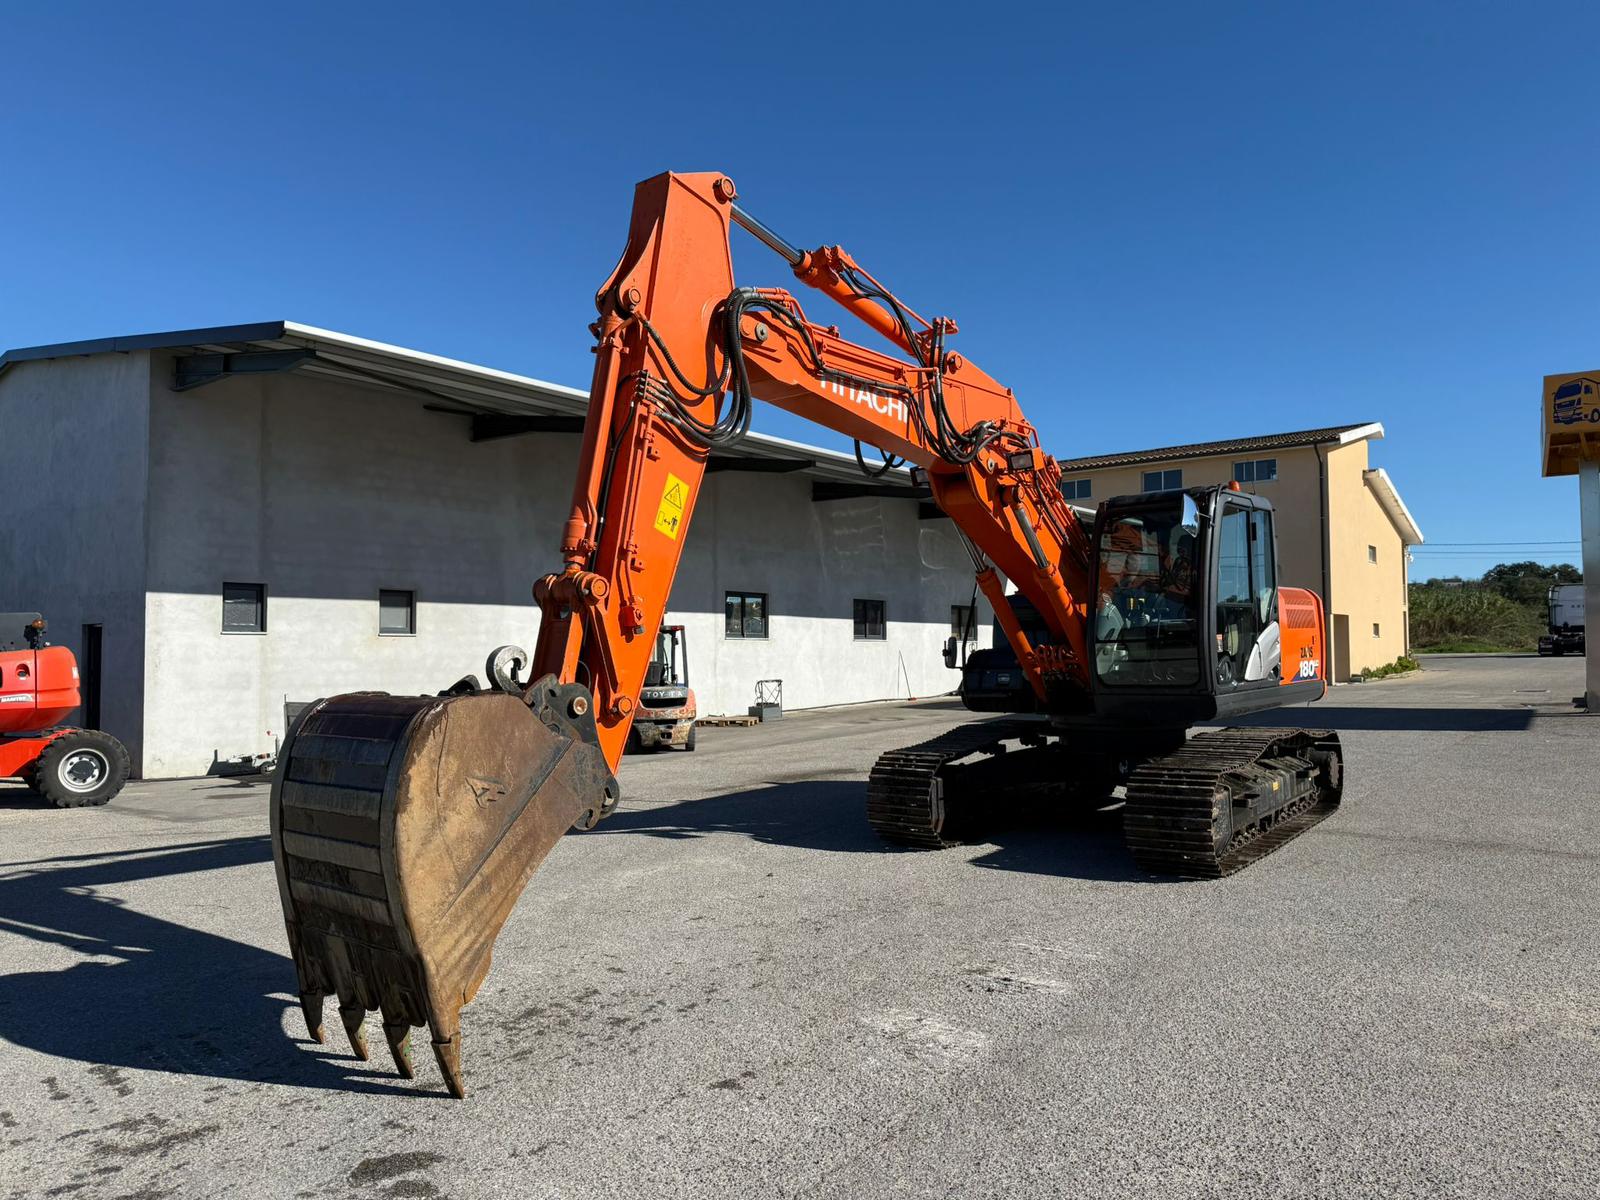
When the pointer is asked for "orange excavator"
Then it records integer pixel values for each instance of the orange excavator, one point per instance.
(405, 827)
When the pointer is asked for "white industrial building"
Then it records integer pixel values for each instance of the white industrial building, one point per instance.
(376, 517)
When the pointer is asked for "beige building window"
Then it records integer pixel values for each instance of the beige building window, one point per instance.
(1162, 481)
(1375, 632)
(1372, 554)
(1076, 489)
(1260, 470)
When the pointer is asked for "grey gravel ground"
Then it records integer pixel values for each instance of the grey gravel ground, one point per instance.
(731, 989)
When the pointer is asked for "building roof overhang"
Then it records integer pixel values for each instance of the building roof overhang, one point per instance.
(1393, 507)
(444, 384)
(1333, 435)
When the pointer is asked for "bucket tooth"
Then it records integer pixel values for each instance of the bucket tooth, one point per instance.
(311, 1006)
(398, 1035)
(403, 830)
(354, 1017)
(448, 1054)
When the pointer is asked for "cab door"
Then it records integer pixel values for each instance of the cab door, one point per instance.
(1247, 654)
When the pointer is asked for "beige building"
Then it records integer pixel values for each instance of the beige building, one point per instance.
(1343, 530)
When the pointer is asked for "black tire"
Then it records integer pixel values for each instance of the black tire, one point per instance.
(82, 769)
(689, 742)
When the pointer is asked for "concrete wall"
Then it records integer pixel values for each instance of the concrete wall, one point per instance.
(327, 491)
(73, 466)
(763, 533)
(1359, 592)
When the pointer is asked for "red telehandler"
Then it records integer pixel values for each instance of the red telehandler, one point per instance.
(405, 827)
(71, 768)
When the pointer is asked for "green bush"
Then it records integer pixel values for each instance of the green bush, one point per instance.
(1472, 616)
(1398, 667)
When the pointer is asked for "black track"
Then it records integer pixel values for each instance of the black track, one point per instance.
(1223, 799)
(1182, 815)
(906, 800)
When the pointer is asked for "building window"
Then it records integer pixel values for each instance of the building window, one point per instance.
(1076, 489)
(1162, 481)
(1372, 554)
(746, 615)
(1375, 632)
(964, 622)
(244, 608)
(869, 620)
(397, 612)
(1260, 470)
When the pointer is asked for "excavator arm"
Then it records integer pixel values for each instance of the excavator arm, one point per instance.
(682, 351)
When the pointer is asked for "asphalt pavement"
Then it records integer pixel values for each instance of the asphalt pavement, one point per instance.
(732, 989)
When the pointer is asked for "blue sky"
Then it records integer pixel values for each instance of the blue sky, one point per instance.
(1158, 223)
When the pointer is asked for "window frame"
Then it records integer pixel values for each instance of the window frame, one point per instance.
(1163, 474)
(411, 612)
(856, 621)
(744, 597)
(1372, 554)
(1080, 488)
(1249, 470)
(260, 628)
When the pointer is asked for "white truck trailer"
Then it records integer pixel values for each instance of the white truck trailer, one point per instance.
(1566, 621)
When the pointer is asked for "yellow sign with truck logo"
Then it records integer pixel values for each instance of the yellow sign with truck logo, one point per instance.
(1571, 421)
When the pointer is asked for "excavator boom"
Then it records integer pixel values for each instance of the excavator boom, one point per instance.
(404, 828)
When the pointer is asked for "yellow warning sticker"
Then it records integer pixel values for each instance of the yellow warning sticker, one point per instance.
(669, 515)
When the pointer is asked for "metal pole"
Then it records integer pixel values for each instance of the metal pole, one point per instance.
(1589, 508)
(751, 225)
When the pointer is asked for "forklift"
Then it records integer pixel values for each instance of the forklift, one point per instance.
(666, 712)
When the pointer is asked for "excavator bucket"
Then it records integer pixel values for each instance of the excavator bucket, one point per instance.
(404, 828)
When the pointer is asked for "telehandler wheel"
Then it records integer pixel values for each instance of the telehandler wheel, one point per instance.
(81, 769)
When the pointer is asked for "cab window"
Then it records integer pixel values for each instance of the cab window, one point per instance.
(1146, 626)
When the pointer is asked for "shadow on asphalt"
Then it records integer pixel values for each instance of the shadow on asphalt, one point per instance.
(1433, 720)
(153, 994)
(829, 814)
(18, 797)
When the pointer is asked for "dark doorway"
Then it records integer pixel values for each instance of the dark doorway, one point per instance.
(89, 676)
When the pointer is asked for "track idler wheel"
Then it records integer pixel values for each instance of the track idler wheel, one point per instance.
(404, 828)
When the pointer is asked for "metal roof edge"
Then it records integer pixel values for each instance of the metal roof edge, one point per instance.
(257, 331)
(330, 338)
(319, 338)
(331, 342)
(1393, 507)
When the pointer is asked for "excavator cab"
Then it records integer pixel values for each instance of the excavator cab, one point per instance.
(1187, 624)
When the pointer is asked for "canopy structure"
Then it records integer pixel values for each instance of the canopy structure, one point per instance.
(1570, 445)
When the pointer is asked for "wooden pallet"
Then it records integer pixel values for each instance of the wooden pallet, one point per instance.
(725, 720)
